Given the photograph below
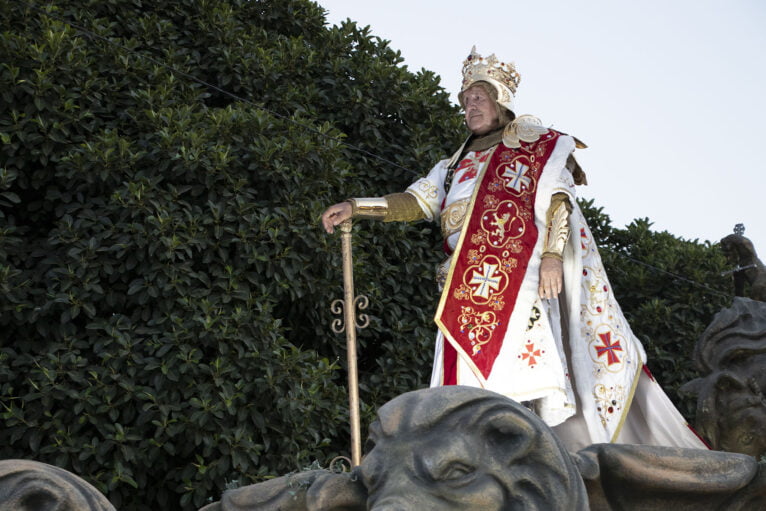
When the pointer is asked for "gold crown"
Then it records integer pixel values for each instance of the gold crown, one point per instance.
(500, 74)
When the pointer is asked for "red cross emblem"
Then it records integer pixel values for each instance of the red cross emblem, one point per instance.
(530, 355)
(609, 348)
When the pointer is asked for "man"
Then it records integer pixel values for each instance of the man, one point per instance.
(506, 205)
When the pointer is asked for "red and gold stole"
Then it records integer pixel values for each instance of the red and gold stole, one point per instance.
(491, 257)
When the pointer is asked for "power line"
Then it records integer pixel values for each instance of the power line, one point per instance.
(674, 275)
(92, 35)
(216, 88)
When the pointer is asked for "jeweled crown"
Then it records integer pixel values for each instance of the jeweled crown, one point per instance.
(502, 75)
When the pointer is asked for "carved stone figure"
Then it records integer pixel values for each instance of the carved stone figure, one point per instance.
(464, 448)
(442, 448)
(32, 486)
(645, 477)
(457, 448)
(750, 270)
(731, 356)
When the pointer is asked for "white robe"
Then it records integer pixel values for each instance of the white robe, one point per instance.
(603, 357)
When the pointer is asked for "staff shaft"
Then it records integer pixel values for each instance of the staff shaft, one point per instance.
(349, 310)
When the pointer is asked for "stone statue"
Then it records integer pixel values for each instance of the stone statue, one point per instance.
(32, 486)
(749, 270)
(463, 448)
(643, 477)
(731, 356)
(457, 448)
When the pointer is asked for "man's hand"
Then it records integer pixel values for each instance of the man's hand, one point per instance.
(336, 215)
(551, 277)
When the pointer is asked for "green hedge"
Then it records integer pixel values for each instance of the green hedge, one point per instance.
(165, 287)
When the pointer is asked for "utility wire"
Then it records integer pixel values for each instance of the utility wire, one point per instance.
(92, 35)
(674, 275)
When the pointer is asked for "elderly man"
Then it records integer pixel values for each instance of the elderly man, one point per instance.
(507, 207)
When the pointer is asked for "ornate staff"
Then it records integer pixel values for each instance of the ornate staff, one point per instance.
(348, 306)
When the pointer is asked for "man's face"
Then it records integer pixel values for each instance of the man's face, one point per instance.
(480, 112)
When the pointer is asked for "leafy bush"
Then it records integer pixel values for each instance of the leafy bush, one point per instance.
(165, 285)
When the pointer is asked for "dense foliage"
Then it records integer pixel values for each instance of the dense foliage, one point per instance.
(164, 287)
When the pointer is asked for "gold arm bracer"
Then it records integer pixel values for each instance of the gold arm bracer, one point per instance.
(396, 207)
(557, 223)
(403, 207)
(371, 208)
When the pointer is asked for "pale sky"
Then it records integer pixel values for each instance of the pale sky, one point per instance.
(668, 94)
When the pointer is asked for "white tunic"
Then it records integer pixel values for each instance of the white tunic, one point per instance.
(604, 359)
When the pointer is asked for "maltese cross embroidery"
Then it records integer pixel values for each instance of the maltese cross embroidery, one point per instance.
(486, 282)
(531, 353)
(517, 177)
(609, 348)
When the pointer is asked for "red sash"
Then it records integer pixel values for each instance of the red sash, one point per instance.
(491, 258)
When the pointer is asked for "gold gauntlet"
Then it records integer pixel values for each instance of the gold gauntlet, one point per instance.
(372, 208)
(557, 223)
(396, 207)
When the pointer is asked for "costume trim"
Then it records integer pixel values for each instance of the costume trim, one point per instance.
(453, 217)
(525, 128)
(458, 247)
(492, 254)
(372, 208)
(557, 231)
(403, 207)
(628, 404)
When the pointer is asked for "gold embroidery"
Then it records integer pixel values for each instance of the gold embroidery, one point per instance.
(462, 292)
(597, 291)
(470, 323)
(518, 177)
(510, 264)
(516, 246)
(496, 185)
(424, 202)
(609, 401)
(525, 215)
(499, 222)
(430, 191)
(453, 217)
(497, 303)
(480, 327)
(502, 224)
(485, 279)
(490, 201)
(525, 128)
